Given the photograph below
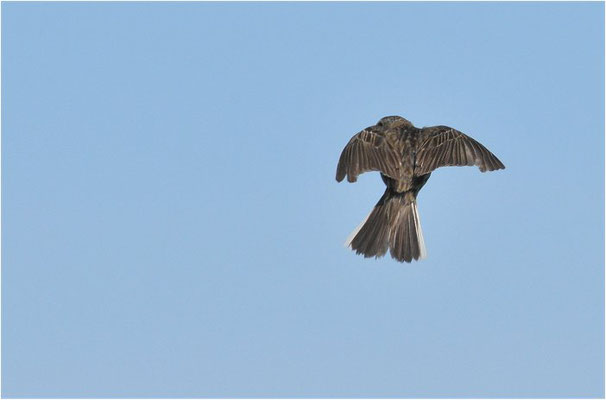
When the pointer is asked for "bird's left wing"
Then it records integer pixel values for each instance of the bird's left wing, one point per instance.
(369, 150)
(442, 146)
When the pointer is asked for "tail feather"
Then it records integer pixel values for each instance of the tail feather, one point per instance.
(404, 241)
(393, 225)
(372, 238)
(355, 231)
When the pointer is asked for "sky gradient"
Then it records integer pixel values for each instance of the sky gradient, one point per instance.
(171, 225)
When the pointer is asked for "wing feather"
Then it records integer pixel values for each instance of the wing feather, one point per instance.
(368, 150)
(442, 146)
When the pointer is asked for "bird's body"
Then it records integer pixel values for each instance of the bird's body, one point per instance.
(405, 156)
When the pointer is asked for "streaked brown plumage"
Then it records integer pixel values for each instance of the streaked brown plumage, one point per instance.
(405, 156)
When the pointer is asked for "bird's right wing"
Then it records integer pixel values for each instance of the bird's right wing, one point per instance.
(442, 146)
(369, 150)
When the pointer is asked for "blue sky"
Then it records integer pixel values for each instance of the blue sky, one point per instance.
(172, 227)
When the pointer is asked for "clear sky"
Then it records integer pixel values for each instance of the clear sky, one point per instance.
(171, 225)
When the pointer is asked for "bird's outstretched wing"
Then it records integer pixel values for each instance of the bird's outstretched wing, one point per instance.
(442, 146)
(369, 150)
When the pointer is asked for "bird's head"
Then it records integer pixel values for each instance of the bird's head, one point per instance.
(393, 121)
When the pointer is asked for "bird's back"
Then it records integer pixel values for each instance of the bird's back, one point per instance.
(405, 139)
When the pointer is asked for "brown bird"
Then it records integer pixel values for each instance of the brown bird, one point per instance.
(405, 156)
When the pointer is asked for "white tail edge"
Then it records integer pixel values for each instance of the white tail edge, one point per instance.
(420, 239)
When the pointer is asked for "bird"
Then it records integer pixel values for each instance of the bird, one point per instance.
(405, 156)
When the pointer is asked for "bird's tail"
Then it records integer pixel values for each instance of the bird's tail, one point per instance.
(392, 225)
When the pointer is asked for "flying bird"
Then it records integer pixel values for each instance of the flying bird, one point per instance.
(405, 156)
